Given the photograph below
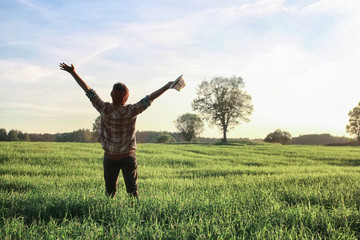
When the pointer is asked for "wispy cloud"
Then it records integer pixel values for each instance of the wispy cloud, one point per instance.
(103, 48)
(15, 71)
(257, 9)
(40, 10)
(334, 6)
(30, 4)
(45, 109)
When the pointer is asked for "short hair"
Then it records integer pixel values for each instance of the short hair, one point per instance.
(120, 87)
(120, 93)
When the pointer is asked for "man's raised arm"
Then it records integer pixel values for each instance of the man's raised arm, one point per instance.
(71, 70)
(160, 91)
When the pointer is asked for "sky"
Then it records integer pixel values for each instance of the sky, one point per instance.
(298, 59)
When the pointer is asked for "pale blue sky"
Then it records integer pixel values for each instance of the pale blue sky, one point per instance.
(298, 60)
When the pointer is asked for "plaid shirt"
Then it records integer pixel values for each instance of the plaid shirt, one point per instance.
(117, 127)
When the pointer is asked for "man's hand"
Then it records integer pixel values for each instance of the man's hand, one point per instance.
(67, 68)
(71, 70)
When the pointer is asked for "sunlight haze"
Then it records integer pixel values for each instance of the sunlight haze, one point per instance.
(298, 59)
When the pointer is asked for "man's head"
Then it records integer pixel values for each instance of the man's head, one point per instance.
(119, 94)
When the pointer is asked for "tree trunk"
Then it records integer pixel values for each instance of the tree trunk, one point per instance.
(224, 134)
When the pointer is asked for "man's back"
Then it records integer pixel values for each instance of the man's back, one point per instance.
(117, 127)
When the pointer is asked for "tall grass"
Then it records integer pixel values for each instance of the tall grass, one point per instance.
(188, 191)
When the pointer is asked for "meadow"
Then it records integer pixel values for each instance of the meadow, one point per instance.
(240, 190)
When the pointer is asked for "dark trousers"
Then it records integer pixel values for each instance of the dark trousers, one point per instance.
(128, 165)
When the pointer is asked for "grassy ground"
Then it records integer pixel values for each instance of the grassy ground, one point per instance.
(188, 191)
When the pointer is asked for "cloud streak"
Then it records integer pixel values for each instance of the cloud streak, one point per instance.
(15, 71)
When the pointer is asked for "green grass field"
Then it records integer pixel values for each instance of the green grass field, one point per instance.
(188, 191)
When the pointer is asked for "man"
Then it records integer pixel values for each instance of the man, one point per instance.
(117, 131)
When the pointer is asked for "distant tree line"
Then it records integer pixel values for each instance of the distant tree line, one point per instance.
(81, 135)
(87, 136)
(320, 139)
(284, 137)
(166, 137)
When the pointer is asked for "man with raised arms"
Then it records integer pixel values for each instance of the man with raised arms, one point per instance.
(117, 131)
